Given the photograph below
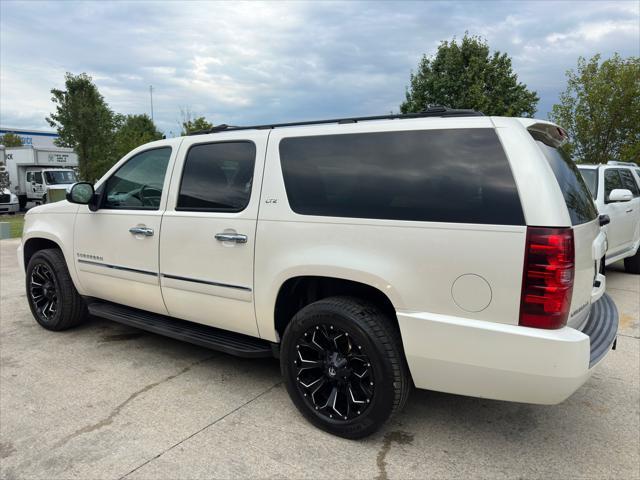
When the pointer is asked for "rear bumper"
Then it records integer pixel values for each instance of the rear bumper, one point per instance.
(505, 362)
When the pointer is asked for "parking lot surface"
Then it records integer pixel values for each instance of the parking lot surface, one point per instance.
(108, 401)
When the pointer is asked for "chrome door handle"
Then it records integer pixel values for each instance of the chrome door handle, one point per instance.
(231, 237)
(146, 231)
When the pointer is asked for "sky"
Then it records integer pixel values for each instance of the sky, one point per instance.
(246, 63)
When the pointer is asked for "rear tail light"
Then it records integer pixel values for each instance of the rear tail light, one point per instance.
(547, 281)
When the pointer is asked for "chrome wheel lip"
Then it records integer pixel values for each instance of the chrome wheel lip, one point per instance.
(333, 373)
(43, 291)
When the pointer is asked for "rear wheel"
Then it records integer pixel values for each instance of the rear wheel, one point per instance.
(632, 264)
(344, 367)
(53, 299)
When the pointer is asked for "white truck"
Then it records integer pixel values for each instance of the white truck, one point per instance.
(34, 172)
(615, 188)
(444, 250)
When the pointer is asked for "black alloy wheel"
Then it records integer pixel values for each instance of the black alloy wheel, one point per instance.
(334, 374)
(54, 301)
(344, 366)
(44, 292)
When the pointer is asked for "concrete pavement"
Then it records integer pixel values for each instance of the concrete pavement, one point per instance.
(105, 401)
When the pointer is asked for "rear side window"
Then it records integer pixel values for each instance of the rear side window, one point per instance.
(576, 194)
(612, 181)
(629, 182)
(590, 177)
(460, 176)
(217, 177)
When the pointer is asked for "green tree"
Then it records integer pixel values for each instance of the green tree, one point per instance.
(10, 139)
(467, 75)
(600, 109)
(85, 123)
(190, 124)
(133, 131)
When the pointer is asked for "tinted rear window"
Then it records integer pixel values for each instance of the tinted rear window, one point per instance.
(576, 194)
(590, 177)
(217, 177)
(460, 176)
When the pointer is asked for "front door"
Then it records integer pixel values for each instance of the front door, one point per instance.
(116, 247)
(208, 232)
(621, 228)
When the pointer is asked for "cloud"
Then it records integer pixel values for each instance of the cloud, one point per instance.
(243, 63)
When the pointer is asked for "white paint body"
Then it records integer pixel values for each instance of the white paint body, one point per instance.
(455, 287)
(623, 232)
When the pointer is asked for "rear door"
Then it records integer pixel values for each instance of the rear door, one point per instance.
(208, 231)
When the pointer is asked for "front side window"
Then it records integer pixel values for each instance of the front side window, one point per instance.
(612, 181)
(29, 177)
(453, 175)
(60, 177)
(629, 182)
(37, 177)
(217, 177)
(137, 185)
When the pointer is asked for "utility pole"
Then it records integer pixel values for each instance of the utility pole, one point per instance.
(151, 96)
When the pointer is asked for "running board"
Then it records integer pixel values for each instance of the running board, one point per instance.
(198, 334)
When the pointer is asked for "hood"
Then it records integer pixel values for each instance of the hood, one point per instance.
(56, 207)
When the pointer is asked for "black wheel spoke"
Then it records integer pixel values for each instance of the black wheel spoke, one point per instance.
(333, 373)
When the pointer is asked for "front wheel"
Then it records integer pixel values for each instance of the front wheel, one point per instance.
(53, 299)
(344, 367)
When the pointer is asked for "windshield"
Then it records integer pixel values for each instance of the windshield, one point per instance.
(59, 177)
(590, 176)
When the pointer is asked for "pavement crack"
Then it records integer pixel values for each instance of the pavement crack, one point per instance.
(204, 428)
(401, 438)
(108, 420)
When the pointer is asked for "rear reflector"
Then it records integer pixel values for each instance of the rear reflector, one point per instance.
(547, 281)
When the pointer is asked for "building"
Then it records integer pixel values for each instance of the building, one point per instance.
(35, 138)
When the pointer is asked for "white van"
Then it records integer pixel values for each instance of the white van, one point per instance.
(446, 250)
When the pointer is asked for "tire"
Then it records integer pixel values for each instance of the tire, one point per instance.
(632, 264)
(22, 201)
(54, 301)
(355, 351)
(44, 199)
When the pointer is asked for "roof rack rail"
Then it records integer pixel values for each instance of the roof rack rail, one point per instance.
(625, 164)
(430, 111)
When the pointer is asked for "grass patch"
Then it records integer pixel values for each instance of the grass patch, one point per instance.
(16, 222)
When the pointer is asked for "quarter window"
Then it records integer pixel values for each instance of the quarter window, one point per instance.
(457, 175)
(217, 177)
(138, 184)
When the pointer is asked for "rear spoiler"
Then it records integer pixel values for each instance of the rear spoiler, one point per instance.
(550, 134)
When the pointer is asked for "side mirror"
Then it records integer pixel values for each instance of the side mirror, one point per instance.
(81, 193)
(620, 195)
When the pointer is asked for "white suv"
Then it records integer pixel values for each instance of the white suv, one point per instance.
(615, 187)
(446, 250)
